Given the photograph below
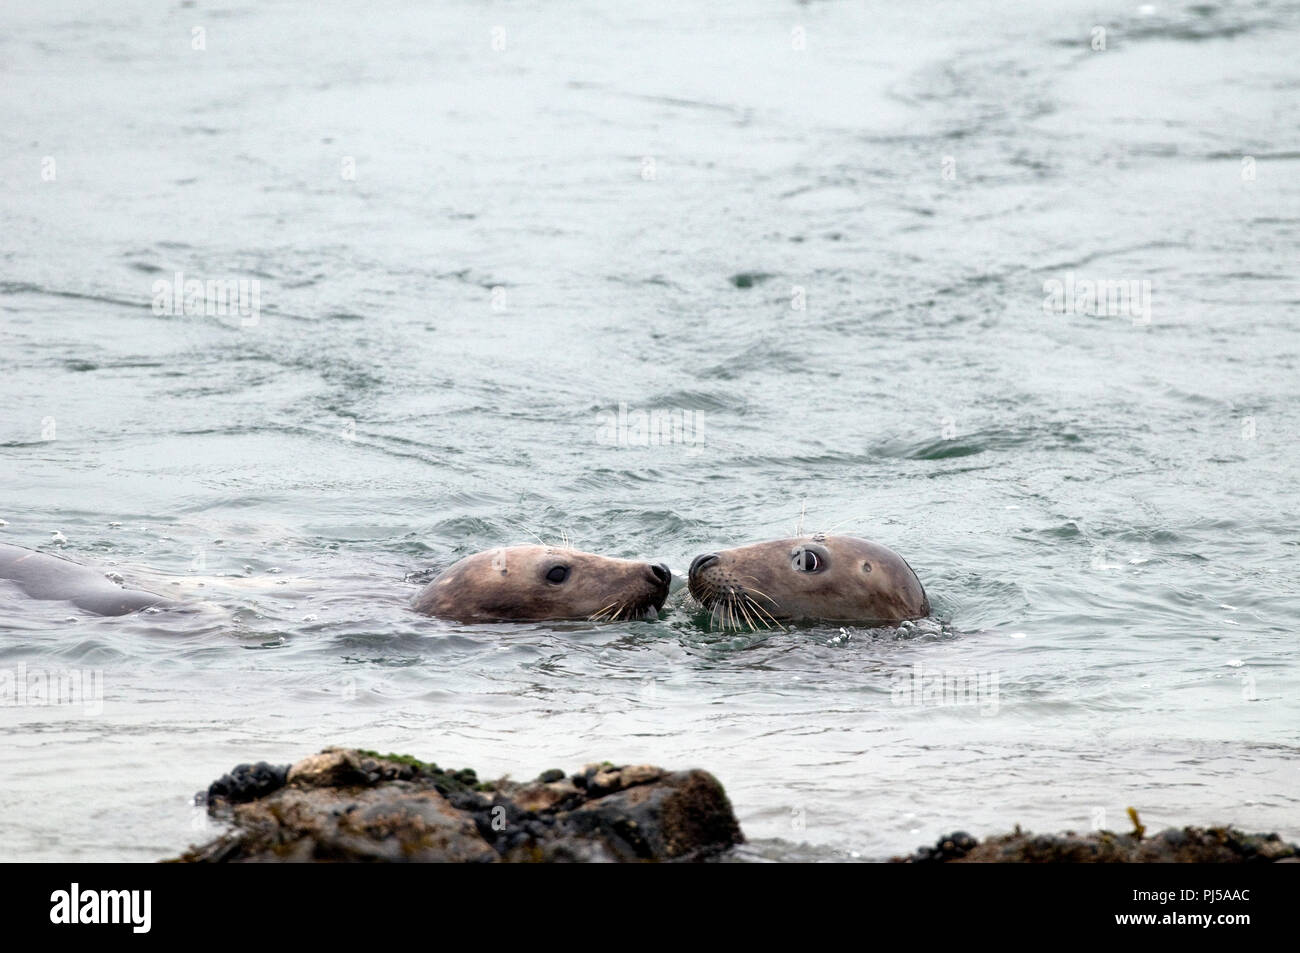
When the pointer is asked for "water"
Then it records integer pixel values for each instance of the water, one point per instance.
(621, 207)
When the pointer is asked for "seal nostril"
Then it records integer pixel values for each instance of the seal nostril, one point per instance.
(662, 573)
(702, 562)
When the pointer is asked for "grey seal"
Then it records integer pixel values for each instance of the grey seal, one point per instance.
(807, 578)
(42, 576)
(539, 583)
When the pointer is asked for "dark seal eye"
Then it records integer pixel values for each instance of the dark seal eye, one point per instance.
(866, 567)
(558, 574)
(805, 560)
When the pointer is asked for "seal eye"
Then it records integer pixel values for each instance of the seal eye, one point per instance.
(866, 567)
(558, 574)
(805, 560)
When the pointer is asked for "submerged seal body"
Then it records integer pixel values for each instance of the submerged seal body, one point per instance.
(538, 583)
(42, 576)
(807, 578)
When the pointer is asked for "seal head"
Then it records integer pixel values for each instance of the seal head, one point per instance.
(807, 578)
(539, 583)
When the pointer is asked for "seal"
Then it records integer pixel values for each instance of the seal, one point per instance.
(807, 578)
(42, 576)
(540, 583)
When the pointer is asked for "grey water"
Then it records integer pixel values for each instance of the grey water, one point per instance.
(829, 243)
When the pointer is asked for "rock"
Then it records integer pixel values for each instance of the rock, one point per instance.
(313, 824)
(349, 805)
(606, 779)
(640, 774)
(667, 817)
(1214, 845)
(951, 847)
(330, 768)
(542, 797)
(247, 782)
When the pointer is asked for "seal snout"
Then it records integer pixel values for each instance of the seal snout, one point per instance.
(701, 563)
(659, 576)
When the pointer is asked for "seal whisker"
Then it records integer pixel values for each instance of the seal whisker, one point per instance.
(759, 615)
(707, 598)
(748, 618)
(769, 616)
(524, 527)
(738, 606)
(754, 589)
(851, 519)
(715, 616)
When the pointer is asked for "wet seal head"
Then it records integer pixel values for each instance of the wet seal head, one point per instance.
(540, 583)
(806, 579)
